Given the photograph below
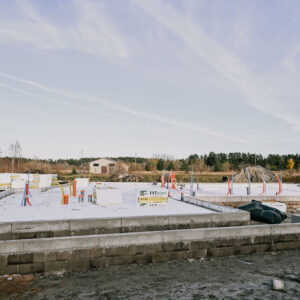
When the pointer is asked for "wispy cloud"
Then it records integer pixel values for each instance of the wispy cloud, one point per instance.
(95, 31)
(30, 29)
(92, 32)
(221, 59)
(291, 61)
(60, 102)
(115, 107)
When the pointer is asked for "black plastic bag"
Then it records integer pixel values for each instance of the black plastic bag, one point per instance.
(282, 215)
(263, 213)
(266, 216)
(251, 207)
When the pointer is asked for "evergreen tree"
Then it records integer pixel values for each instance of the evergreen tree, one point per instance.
(160, 164)
(170, 166)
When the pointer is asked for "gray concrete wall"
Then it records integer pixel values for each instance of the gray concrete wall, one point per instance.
(56, 228)
(292, 202)
(295, 218)
(4, 194)
(83, 252)
(209, 205)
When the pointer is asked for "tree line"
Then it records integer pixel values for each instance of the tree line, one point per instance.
(216, 162)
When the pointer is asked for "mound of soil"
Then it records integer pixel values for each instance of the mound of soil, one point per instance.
(124, 178)
(256, 175)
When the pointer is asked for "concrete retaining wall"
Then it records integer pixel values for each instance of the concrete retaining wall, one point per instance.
(5, 194)
(209, 205)
(295, 218)
(292, 202)
(83, 252)
(43, 229)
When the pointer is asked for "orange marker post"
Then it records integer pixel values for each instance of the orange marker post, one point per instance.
(279, 182)
(173, 180)
(264, 188)
(229, 191)
(66, 199)
(74, 188)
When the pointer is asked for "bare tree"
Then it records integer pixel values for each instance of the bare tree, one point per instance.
(81, 164)
(14, 151)
(11, 151)
(18, 153)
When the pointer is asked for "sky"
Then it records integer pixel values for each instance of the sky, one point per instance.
(111, 78)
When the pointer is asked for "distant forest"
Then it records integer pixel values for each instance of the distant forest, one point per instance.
(211, 162)
(216, 162)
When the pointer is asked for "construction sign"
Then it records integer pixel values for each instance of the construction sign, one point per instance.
(152, 197)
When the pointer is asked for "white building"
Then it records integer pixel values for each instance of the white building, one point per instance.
(106, 166)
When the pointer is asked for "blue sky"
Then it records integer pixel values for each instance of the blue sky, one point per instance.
(122, 77)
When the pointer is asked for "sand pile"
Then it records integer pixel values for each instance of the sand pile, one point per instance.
(256, 175)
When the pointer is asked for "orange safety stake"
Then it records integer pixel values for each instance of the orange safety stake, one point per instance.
(264, 188)
(27, 193)
(66, 199)
(173, 180)
(279, 182)
(74, 188)
(229, 191)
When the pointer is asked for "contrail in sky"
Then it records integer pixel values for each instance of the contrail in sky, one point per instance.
(81, 96)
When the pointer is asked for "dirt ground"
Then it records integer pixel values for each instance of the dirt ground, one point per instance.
(238, 277)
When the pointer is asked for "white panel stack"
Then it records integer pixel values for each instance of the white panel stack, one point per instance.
(54, 179)
(108, 196)
(36, 181)
(45, 180)
(18, 182)
(5, 181)
(82, 183)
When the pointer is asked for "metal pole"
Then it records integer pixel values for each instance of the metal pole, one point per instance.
(192, 183)
(249, 181)
(264, 177)
(232, 180)
(281, 180)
